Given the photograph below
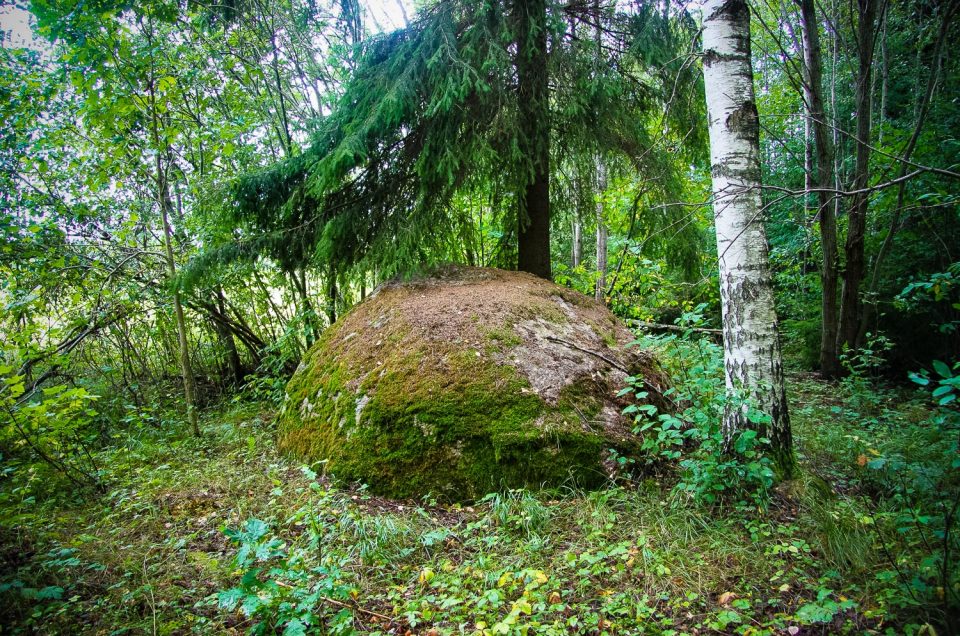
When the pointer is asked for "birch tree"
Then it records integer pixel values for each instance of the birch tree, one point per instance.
(752, 357)
(601, 234)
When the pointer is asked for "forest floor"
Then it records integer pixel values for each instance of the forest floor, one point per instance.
(215, 535)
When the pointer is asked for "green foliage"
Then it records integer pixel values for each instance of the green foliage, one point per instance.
(518, 510)
(907, 473)
(279, 590)
(948, 384)
(711, 471)
(824, 609)
(52, 426)
(626, 559)
(941, 291)
(376, 185)
(863, 368)
(364, 156)
(910, 226)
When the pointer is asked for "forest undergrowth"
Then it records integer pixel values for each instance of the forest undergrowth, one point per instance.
(222, 535)
(192, 194)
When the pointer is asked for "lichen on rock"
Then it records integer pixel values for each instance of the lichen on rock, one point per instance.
(465, 382)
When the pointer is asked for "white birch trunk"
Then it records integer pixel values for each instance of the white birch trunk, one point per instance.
(750, 341)
(601, 234)
(577, 255)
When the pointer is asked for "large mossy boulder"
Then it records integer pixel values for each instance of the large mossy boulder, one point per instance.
(465, 382)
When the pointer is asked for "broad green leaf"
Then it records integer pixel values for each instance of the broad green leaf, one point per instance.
(295, 628)
(942, 369)
(228, 599)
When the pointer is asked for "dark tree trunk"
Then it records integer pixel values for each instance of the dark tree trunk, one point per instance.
(332, 297)
(229, 344)
(823, 142)
(299, 278)
(850, 306)
(533, 218)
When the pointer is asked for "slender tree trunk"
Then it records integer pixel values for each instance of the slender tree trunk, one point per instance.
(299, 278)
(533, 218)
(808, 151)
(837, 127)
(169, 349)
(752, 358)
(884, 75)
(284, 122)
(601, 234)
(186, 370)
(850, 304)
(577, 251)
(824, 180)
(161, 150)
(580, 213)
(332, 297)
(601, 178)
(269, 302)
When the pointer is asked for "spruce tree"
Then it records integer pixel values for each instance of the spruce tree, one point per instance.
(469, 98)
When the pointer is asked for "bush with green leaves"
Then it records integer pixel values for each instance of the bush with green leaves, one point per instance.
(947, 384)
(863, 367)
(52, 425)
(711, 470)
(940, 290)
(286, 588)
(519, 511)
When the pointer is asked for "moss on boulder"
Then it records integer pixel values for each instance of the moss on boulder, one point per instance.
(465, 382)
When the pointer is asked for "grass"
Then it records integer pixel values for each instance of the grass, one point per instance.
(841, 549)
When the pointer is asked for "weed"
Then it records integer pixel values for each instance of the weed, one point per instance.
(856, 542)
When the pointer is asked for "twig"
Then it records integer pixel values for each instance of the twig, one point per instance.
(357, 608)
(656, 326)
(333, 601)
(612, 363)
(616, 365)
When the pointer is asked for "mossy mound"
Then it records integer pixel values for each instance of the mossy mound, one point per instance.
(466, 382)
